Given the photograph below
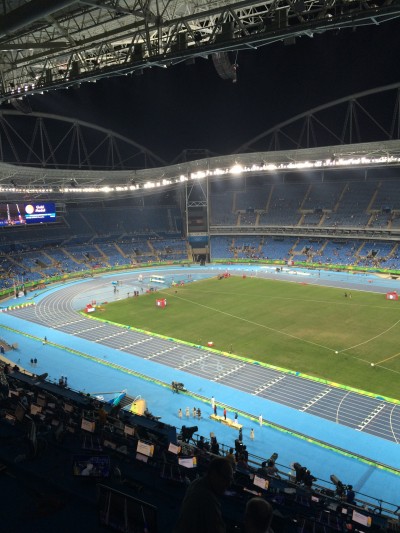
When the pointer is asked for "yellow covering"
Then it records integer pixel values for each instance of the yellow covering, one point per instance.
(138, 407)
(227, 422)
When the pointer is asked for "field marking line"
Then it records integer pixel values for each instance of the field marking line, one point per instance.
(338, 407)
(288, 334)
(391, 425)
(372, 338)
(253, 323)
(296, 299)
(389, 369)
(388, 358)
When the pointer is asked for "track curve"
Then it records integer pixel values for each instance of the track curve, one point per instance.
(58, 310)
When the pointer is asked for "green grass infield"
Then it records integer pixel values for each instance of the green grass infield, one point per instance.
(350, 340)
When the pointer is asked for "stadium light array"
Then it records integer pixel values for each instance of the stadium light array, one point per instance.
(236, 169)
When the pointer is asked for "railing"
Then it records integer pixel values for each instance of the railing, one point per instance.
(326, 489)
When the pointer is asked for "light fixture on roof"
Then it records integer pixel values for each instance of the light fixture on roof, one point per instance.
(226, 70)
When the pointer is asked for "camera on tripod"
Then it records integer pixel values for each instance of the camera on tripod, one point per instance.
(341, 489)
(188, 432)
(239, 446)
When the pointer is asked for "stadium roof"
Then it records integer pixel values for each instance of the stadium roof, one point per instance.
(47, 45)
(16, 181)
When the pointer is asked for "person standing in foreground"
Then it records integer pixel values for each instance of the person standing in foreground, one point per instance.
(201, 508)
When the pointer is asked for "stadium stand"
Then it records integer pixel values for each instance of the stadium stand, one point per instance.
(125, 235)
(63, 449)
(260, 222)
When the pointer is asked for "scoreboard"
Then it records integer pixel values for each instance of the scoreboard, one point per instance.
(27, 213)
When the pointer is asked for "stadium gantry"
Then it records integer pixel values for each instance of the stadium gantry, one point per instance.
(64, 43)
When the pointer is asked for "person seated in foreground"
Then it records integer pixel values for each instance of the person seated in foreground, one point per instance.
(230, 456)
(242, 465)
(271, 469)
(214, 448)
(202, 444)
(258, 516)
(201, 508)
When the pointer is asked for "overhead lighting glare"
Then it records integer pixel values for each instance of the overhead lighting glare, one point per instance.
(218, 172)
(237, 169)
(335, 160)
(200, 174)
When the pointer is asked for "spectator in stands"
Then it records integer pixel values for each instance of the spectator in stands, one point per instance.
(201, 443)
(271, 469)
(258, 516)
(242, 464)
(308, 479)
(300, 472)
(214, 446)
(239, 449)
(231, 458)
(350, 495)
(244, 452)
(201, 508)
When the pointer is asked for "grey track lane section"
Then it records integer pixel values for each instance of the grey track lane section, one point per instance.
(359, 412)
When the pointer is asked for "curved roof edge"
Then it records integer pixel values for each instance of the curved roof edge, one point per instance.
(45, 177)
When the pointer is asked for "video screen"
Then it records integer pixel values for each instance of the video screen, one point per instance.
(91, 466)
(12, 214)
(40, 213)
(27, 213)
(121, 512)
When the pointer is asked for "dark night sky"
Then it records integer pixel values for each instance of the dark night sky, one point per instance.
(190, 107)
